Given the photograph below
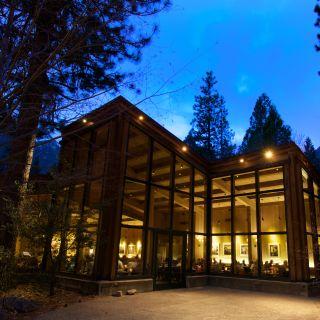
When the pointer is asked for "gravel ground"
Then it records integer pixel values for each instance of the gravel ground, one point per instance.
(206, 303)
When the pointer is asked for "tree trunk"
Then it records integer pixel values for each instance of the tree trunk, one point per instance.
(22, 144)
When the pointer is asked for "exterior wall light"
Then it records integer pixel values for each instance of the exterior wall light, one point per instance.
(141, 118)
(268, 154)
(84, 120)
(241, 160)
(184, 149)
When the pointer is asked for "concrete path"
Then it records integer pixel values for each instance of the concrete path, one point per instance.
(199, 303)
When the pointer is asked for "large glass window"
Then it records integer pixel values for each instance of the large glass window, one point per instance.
(130, 252)
(137, 154)
(161, 165)
(181, 212)
(246, 255)
(199, 253)
(82, 154)
(99, 151)
(274, 255)
(221, 254)
(87, 236)
(244, 183)
(133, 204)
(221, 187)
(234, 218)
(200, 184)
(307, 211)
(200, 213)
(159, 212)
(271, 179)
(221, 215)
(272, 212)
(245, 214)
(182, 175)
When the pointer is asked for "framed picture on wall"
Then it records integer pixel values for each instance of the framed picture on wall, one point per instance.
(244, 250)
(274, 250)
(227, 249)
(215, 249)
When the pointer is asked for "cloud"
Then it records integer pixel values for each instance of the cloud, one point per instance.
(238, 135)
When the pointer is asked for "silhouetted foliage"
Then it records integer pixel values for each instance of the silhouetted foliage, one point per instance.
(210, 134)
(311, 153)
(317, 24)
(266, 127)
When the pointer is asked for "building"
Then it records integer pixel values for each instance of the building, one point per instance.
(154, 214)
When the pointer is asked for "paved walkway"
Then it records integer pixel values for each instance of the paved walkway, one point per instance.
(199, 303)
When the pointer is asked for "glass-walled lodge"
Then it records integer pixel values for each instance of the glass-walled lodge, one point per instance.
(141, 205)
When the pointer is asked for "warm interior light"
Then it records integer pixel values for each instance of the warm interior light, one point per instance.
(241, 160)
(84, 120)
(268, 154)
(141, 118)
(184, 149)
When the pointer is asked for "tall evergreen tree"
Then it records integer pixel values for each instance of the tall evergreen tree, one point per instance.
(210, 133)
(310, 152)
(254, 137)
(266, 127)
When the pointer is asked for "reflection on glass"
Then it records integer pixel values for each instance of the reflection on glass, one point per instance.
(181, 213)
(182, 175)
(99, 151)
(133, 204)
(221, 215)
(87, 235)
(245, 214)
(221, 187)
(82, 154)
(200, 184)
(304, 178)
(271, 179)
(244, 183)
(66, 157)
(130, 252)
(221, 254)
(199, 215)
(199, 253)
(137, 154)
(274, 255)
(246, 255)
(272, 212)
(177, 259)
(75, 204)
(161, 165)
(159, 214)
(310, 256)
(162, 263)
(307, 211)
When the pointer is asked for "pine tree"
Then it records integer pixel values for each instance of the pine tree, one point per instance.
(266, 127)
(254, 138)
(210, 134)
(310, 152)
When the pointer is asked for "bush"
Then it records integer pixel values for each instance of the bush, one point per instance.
(7, 267)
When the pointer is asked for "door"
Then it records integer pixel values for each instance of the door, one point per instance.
(169, 260)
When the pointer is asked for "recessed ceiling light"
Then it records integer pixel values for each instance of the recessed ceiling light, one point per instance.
(241, 160)
(141, 117)
(268, 154)
(84, 120)
(184, 149)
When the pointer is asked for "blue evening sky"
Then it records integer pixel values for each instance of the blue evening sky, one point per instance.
(251, 46)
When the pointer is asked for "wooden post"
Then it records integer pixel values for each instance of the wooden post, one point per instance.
(296, 222)
(109, 226)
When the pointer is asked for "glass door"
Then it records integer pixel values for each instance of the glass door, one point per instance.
(169, 260)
